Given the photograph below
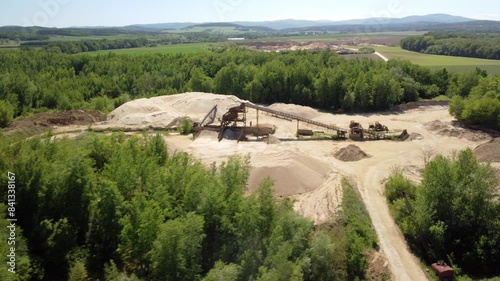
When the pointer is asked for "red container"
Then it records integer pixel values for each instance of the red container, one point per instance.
(443, 270)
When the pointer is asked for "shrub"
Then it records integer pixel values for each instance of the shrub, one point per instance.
(185, 127)
(6, 113)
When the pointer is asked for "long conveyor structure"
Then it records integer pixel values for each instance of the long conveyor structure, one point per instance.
(235, 119)
(293, 117)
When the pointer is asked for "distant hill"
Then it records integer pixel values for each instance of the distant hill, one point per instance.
(441, 18)
(434, 18)
(434, 22)
(284, 24)
(224, 27)
(292, 23)
(161, 26)
(387, 26)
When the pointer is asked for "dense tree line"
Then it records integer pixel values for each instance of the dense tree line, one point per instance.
(117, 207)
(88, 31)
(486, 46)
(81, 46)
(75, 47)
(32, 80)
(22, 36)
(481, 106)
(452, 215)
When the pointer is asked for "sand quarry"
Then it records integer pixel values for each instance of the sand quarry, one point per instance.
(311, 171)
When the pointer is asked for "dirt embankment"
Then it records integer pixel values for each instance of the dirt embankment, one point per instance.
(46, 120)
(451, 129)
(417, 104)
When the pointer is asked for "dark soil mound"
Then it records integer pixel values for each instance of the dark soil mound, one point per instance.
(351, 153)
(489, 152)
(42, 122)
(59, 118)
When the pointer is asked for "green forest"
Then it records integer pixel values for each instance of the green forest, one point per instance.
(38, 80)
(123, 208)
(452, 215)
(75, 47)
(485, 46)
(481, 106)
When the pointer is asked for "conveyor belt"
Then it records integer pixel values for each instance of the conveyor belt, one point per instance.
(293, 117)
(210, 117)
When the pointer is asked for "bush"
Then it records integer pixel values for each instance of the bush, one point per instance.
(6, 113)
(185, 126)
(102, 103)
(399, 187)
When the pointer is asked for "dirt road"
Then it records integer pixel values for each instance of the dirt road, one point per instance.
(403, 264)
(381, 56)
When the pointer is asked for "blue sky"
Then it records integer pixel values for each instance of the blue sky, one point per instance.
(64, 13)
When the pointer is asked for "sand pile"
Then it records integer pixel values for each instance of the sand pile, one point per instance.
(292, 172)
(448, 130)
(489, 152)
(166, 111)
(271, 140)
(298, 110)
(321, 204)
(351, 153)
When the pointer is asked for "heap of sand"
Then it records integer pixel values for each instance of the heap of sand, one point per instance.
(166, 111)
(298, 110)
(293, 172)
(351, 153)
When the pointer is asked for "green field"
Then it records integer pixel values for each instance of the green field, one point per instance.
(194, 48)
(456, 64)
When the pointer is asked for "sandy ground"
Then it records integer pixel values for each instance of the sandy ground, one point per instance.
(307, 171)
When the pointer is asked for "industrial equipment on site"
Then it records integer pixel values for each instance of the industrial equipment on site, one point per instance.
(442, 270)
(233, 124)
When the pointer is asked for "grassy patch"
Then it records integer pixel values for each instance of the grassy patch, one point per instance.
(355, 237)
(441, 98)
(454, 64)
(358, 219)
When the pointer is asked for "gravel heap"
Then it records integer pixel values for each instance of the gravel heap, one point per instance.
(351, 153)
(489, 152)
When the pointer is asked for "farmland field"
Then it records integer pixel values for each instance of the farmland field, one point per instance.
(193, 48)
(456, 64)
